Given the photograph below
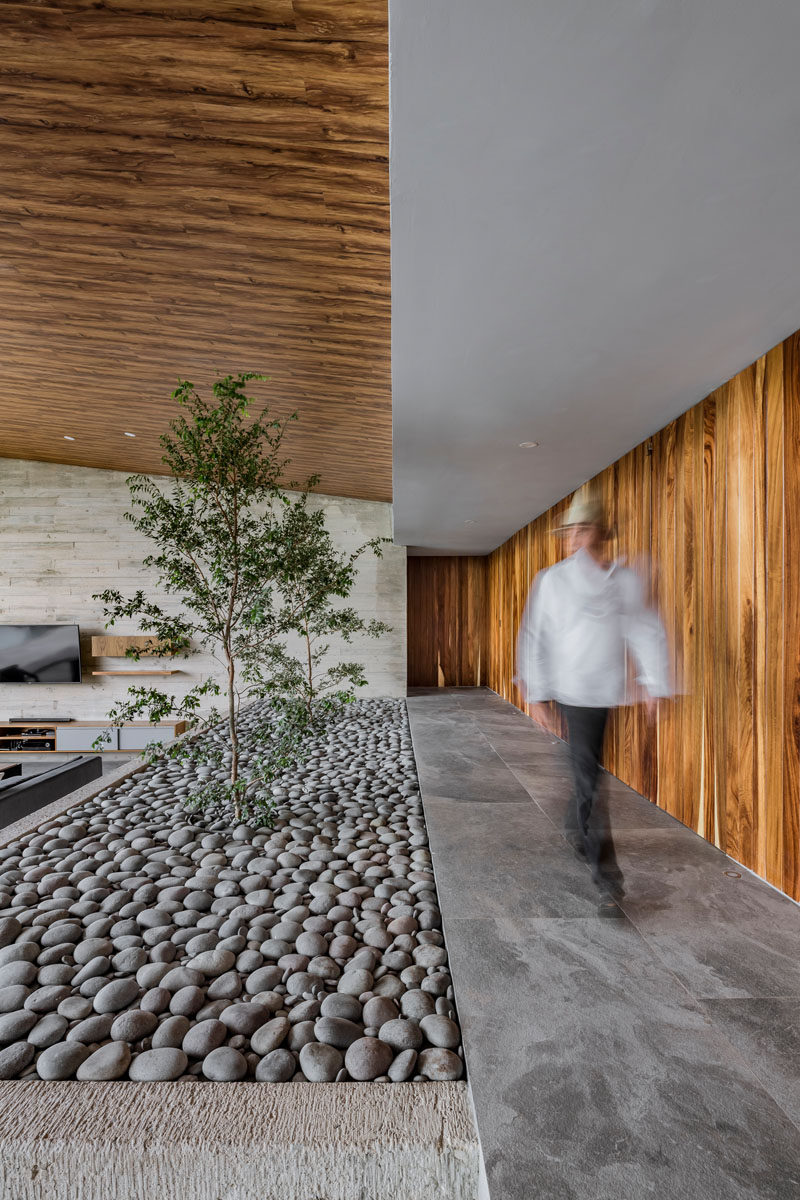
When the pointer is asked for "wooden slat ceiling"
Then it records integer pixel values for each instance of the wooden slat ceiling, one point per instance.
(193, 188)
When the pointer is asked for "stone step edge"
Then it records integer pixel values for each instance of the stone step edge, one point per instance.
(237, 1141)
(88, 791)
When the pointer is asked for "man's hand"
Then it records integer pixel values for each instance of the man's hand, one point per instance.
(651, 709)
(541, 712)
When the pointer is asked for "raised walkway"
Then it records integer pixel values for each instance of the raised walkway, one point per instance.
(655, 1055)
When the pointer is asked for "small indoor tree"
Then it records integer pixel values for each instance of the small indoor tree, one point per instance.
(311, 576)
(246, 565)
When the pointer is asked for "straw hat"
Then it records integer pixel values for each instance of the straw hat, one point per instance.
(585, 509)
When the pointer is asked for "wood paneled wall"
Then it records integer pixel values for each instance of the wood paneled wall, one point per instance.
(709, 510)
(447, 622)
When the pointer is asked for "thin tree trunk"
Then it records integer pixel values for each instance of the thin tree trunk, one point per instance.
(234, 591)
(237, 808)
(310, 695)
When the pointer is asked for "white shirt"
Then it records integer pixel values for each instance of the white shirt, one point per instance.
(580, 623)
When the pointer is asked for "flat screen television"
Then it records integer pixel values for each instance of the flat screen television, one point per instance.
(40, 654)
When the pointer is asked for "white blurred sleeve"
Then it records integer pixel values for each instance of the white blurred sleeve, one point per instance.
(534, 646)
(646, 639)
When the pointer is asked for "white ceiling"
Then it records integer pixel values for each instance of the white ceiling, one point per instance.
(595, 221)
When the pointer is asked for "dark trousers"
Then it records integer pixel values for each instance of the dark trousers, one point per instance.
(587, 825)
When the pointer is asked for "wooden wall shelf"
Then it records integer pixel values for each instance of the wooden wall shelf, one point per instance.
(115, 645)
(136, 672)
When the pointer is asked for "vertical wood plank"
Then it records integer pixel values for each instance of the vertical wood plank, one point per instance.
(760, 713)
(775, 616)
(647, 742)
(668, 744)
(690, 576)
(742, 534)
(791, 710)
(682, 808)
(710, 748)
(718, 681)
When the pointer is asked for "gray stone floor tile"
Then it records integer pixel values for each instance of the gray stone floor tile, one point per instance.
(465, 768)
(629, 810)
(671, 855)
(501, 859)
(649, 1056)
(519, 746)
(766, 1033)
(723, 960)
(551, 783)
(595, 1076)
(535, 762)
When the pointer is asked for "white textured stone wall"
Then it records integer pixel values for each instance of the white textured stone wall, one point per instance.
(63, 537)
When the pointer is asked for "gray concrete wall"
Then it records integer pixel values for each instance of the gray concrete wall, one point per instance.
(63, 537)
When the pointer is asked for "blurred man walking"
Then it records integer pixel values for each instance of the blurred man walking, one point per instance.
(583, 620)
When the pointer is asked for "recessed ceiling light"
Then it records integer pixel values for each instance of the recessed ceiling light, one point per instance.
(67, 438)
(528, 445)
(129, 434)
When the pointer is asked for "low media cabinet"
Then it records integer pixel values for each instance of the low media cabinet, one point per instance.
(43, 737)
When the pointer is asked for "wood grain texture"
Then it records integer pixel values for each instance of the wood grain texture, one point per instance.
(447, 622)
(790, 794)
(775, 614)
(114, 645)
(175, 672)
(193, 189)
(709, 511)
